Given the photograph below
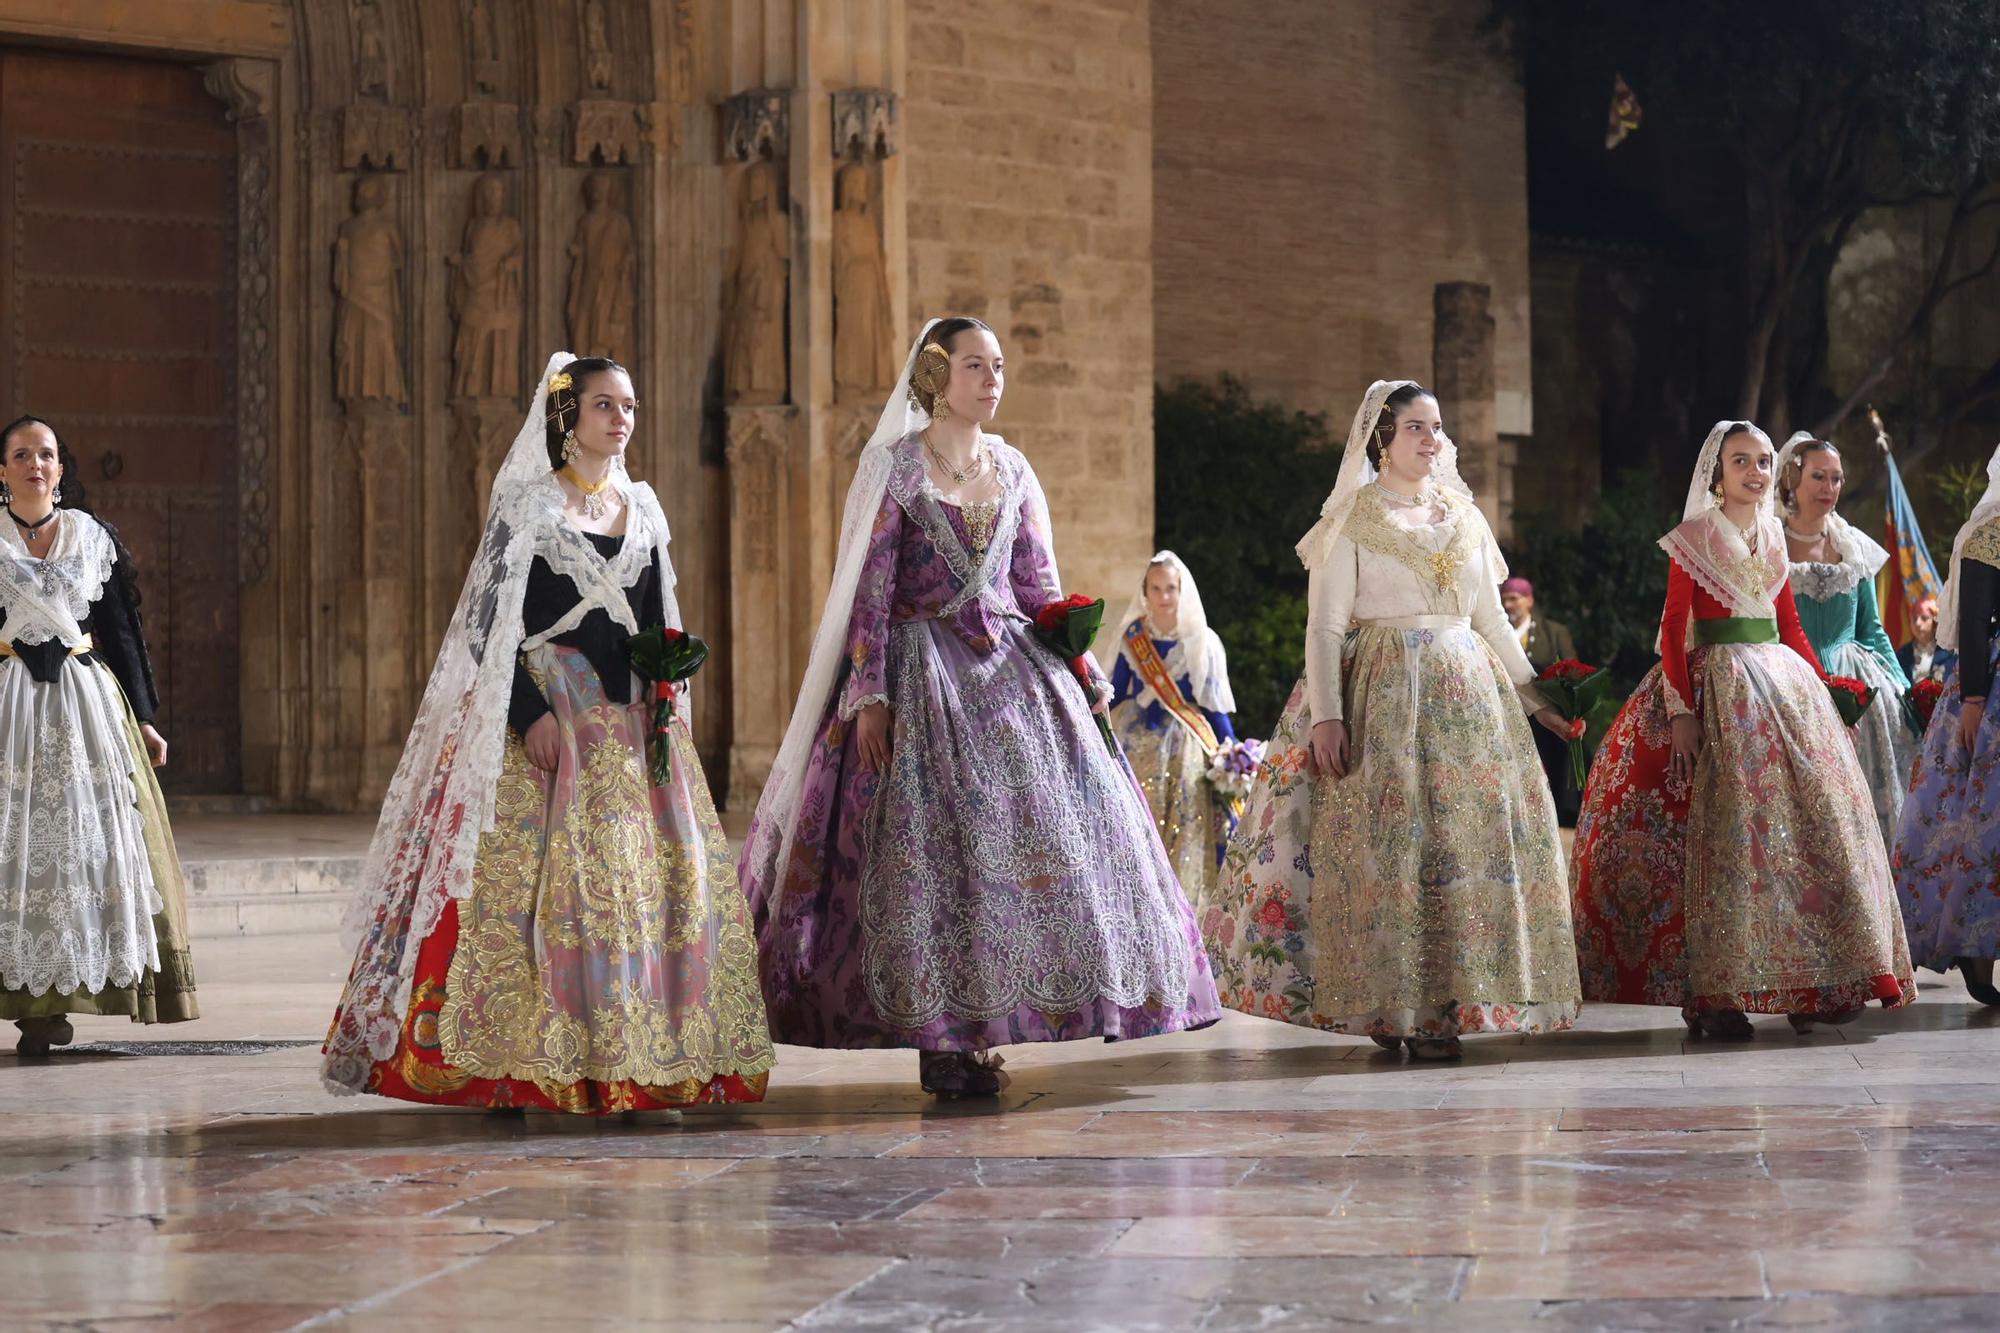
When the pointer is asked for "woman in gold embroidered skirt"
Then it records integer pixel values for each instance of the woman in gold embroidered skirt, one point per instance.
(1170, 707)
(542, 924)
(1398, 872)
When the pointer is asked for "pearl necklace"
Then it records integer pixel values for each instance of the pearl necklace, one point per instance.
(1806, 538)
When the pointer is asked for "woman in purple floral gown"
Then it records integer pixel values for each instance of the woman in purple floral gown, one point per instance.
(947, 855)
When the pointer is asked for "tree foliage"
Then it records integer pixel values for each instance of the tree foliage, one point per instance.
(1237, 482)
(1826, 111)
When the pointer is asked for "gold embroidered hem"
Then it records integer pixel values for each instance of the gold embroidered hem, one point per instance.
(605, 938)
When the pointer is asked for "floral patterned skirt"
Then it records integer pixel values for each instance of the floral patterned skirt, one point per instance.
(604, 960)
(1762, 886)
(1421, 895)
(1194, 826)
(1947, 862)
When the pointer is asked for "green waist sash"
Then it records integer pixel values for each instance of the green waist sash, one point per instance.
(1736, 629)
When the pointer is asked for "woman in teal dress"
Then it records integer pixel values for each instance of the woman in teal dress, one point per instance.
(1833, 580)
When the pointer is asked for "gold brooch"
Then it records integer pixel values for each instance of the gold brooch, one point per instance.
(559, 381)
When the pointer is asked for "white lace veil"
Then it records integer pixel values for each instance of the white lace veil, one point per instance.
(1316, 547)
(770, 844)
(1983, 513)
(1855, 546)
(441, 798)
(1201, 651)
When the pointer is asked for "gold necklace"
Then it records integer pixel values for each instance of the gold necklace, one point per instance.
(971, 470)
(595, 506)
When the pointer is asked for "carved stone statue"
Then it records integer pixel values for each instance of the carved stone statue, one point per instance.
(371, 53)
(368, 318)
(596, 45)
(862, 354)
(753, 365)
(486, 298)
(482, 47)
(603, 273)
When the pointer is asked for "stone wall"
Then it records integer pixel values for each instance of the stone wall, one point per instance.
(1030, 171)
(1319, 167)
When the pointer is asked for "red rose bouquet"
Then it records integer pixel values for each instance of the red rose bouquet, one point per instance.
(1573, 689)
(1068, 627)
(1850, 696)
(666, 658)
(1921, 702)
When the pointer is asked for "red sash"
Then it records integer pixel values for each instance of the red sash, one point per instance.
(1152, 669)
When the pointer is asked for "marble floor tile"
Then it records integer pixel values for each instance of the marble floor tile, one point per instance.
(1254, 1176)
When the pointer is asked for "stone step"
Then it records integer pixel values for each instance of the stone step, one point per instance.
(270, 874)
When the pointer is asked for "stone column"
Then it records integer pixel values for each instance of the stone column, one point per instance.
(760, 553)
(1462, 355)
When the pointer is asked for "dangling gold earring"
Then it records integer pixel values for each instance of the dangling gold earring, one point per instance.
(55, 496)
(941, 409)
(1716, 490)
(570, 447)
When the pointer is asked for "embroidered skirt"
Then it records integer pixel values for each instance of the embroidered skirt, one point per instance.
(1169, 763)
(603, 961)
(1422, 894)
(1000, 883)
(1947, 862)
(1763, 885)
(78, 897)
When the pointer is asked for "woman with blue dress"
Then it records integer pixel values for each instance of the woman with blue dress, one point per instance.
(1170, 707)
(1947, 860)
(1833, 567)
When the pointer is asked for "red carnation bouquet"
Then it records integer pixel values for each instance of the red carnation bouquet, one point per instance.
(1921, 702)
(1573, 689)
(1850, 696)
(1069, 627)
(667, 658)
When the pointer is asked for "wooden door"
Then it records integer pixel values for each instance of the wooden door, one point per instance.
(117, 324)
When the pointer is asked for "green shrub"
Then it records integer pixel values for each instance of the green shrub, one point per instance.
(1236, 483)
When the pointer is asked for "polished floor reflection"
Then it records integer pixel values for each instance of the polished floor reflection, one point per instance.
(1250, 1177)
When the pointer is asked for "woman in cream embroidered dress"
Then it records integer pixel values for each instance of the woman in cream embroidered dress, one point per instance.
(947, 856)
(1398, 871)
(540, 925)
(1727, 858)
(92, 904)
(1833, 566)
(1170, 707)
(1947, 861)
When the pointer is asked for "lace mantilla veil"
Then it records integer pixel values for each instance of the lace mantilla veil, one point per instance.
(1983, 513)
(1201, 652)
(1855, 546)
(1316, 547)
(441, 798)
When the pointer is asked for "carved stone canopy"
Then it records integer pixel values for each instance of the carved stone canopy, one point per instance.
(607, 131)
(486, 134)
(374, 138)
(757, 124)
(864, 123)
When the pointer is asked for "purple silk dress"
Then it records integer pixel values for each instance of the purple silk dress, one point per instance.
(1002, 881)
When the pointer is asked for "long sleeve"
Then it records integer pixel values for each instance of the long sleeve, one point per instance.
(1673, 640)
(115, 631)
(1220, 723)
(1792, 633)
(525, 705)
(1124, 680)
(1329, 608)
(868, 622)
(1031, 569)
(1868, 632)
(1490, 621)
(1978, 607)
